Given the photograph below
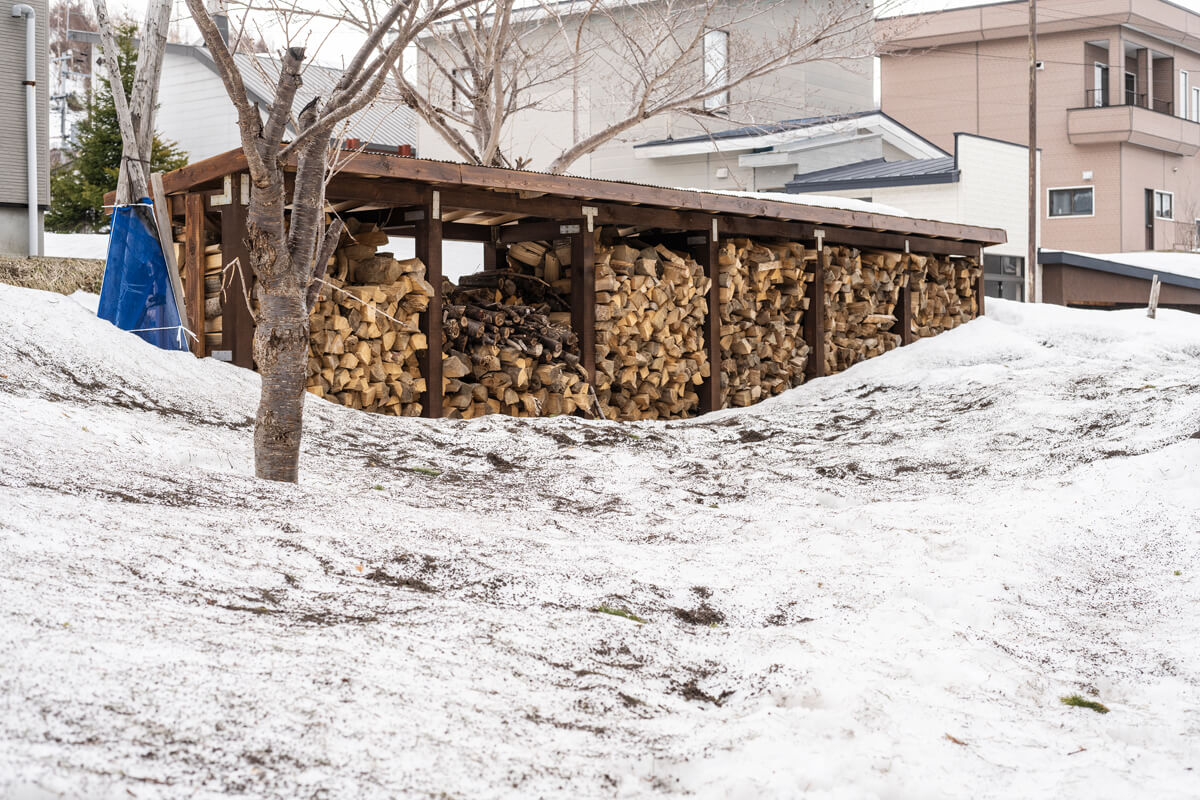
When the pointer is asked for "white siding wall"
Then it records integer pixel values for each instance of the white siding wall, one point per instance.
(991, 192)
(194, 109)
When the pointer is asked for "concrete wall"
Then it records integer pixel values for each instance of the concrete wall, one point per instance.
(541, 134)
(980, 87)
(13, 189)
(14, 231)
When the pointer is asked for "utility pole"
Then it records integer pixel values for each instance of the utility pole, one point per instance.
(1032, 282)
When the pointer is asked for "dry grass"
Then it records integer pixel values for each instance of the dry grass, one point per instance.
(62, 275)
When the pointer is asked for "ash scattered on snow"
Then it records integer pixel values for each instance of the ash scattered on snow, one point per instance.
(876, 585)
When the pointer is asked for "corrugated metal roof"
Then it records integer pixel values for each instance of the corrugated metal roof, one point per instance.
(384, 121)
(877, 172)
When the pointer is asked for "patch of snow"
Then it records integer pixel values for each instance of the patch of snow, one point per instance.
(819, 200)
(76, 245)
(876, 585)
(1186, 265)
(87, 300)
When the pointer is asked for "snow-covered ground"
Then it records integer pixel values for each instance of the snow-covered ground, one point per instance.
(878, 585)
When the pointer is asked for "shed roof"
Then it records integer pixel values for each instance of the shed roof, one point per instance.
(474, 196)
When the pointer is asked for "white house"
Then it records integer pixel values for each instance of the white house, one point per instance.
(195, 111)
(983, 183)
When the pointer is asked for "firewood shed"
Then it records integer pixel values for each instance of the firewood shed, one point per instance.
(796, 291)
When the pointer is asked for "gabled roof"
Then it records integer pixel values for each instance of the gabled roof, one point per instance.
(789, 134)
(383, 122)
(877, 172)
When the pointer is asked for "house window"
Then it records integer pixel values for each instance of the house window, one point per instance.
(462, 86)
(1194, 116)
(1072, 201)
(1164, 205)
(1184, 94)
(716, 67)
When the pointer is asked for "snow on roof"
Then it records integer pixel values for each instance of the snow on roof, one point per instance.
(868, 586)
(1185, 265)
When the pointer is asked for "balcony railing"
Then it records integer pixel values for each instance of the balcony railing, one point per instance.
(1097, 98)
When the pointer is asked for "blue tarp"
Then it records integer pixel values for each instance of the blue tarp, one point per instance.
(137, 294)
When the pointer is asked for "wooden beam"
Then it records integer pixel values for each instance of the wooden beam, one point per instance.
(904, 315)
(237, 334)
(538, 231)
(583, 297)
(451, 231)
(814, 320)
(429, 250)
(193, 265)
(705, 250)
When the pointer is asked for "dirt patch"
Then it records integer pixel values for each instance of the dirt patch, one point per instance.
(62, 275)
(704, 614)
(692, 691)
(379, 576)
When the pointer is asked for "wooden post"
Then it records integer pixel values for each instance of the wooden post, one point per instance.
(583, 297)
(1155, 287)
(429, 250)
(704, 249)
(904, 316)
(494, 253)
(193, 266)
(237, 336)
(814, 318)
(981, 287)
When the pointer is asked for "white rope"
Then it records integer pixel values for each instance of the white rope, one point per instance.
(129, 205)
(365, 304)
(179, 329)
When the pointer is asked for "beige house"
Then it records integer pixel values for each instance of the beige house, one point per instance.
(1118, 108)
(561, 115)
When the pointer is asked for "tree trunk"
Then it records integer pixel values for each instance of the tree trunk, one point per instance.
(281, 350)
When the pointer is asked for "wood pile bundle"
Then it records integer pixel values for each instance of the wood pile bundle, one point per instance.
(651, 303)
(943, 293)
(861, 292)
(213, 266)
(365, 334)
(504, 355)
(762, 318)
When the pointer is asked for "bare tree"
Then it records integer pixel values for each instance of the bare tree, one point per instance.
(288, 249)
(489, 64)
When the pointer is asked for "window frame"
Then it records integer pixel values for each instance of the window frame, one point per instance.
(1185, 95)
(458, 101)
(1194, 116)
(715, 69)
(1050, 209)
(1162, 193)
(1100, 90)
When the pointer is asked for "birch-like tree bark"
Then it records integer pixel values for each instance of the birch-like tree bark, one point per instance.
(289, 247)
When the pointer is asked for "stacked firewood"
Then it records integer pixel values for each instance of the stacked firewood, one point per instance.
(502, 353)
(365, 337)
(651, 303)
(762, 318)
(213, 317)
(861, 292)
(943, 292)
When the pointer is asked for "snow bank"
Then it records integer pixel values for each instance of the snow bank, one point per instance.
(877, 585)
(76, 245)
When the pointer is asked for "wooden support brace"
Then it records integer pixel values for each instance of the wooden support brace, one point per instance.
(814, 318)
(193, 267)
(429, 250)
(237, 336)
(583, 298)
(704, 249)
